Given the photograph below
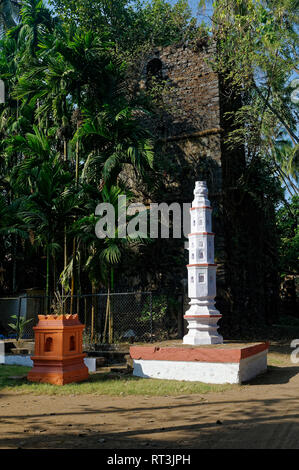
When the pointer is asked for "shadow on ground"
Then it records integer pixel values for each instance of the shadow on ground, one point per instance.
(258, 423)
(274, 376)
(262, 414)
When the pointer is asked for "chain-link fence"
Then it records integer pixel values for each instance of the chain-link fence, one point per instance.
(109, 318)
(16, 310)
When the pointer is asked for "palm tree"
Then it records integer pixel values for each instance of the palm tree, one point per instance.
(79, 75)
(114, 138)
(36, 22)
(63, 78)
(67, 86)
(12, 229)
(45, 188)
(101, 257)
(9, 14)
(285, 157)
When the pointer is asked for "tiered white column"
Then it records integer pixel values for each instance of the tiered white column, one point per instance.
(202, 315)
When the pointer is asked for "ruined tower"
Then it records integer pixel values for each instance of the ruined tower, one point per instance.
(190, 125)
(190, 138)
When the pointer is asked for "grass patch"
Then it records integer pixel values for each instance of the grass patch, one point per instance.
(280, 354)
(277, 360)
(10, 371)
(113, 384)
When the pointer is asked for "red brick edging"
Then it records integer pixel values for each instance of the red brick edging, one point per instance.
(197, 353)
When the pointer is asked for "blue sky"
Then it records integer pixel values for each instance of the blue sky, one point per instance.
(194, 6)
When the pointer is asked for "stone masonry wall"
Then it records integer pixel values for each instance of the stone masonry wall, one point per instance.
(191, 124)
(195, 89)
(188, 141)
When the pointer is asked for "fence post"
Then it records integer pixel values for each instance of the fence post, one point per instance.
(19, 314)
(151, 316)
(85, 312)
(181, 317)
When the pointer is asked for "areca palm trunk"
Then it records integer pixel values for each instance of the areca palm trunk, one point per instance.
(107, 317)
(14, 265)
(109, 312)
(73, 278)
(79, 290)
(65, 228)
(111, 326)
(48, 280)
(93, 310)
(73, 282)
(54, 272)
(64, 259)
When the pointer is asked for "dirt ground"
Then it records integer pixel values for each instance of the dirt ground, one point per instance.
(262, 414)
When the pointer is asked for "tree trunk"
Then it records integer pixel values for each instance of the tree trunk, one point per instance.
(48, 280)
(73, 282)
(93, 313)
(14, 265)
(250, 261)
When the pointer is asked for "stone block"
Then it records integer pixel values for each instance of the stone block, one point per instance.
(215, 364)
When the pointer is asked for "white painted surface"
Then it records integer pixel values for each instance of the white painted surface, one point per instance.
(207, 372)
(200, 195)
(91, 363)
(202, 279)
(253, 365)
(202, 331)
(18, 360)
(2, 352)
(2, 92)
(201, 249)
(24, 360)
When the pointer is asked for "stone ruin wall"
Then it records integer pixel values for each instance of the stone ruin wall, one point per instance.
(195, 88)
(190, 136)
(191, 124)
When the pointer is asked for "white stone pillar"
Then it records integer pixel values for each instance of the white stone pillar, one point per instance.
(202, 315)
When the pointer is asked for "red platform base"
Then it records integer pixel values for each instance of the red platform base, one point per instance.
(218, 363)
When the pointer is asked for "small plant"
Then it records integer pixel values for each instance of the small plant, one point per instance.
(88, 344)
(19, 327)
(58, 304)
(154, 310)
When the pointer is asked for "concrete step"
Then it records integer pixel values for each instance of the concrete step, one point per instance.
(110, 357)
(120, 368)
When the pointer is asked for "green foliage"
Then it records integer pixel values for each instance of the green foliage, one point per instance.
(68, 128)
(154, 309)
(9, 14)
(132, 25)
(287, 224)
(19, 325)
(257, 55)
